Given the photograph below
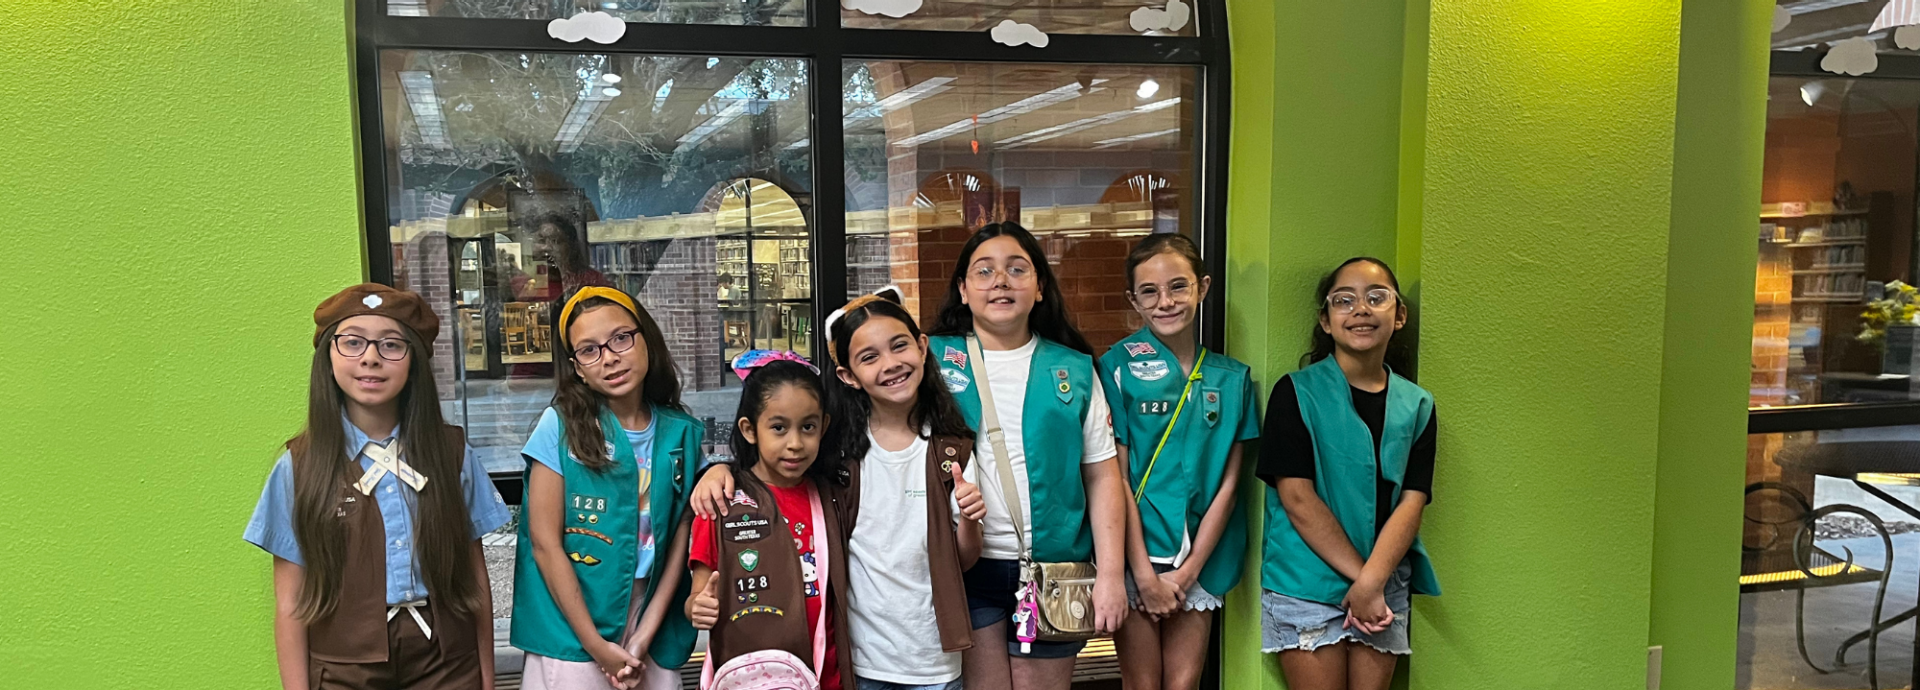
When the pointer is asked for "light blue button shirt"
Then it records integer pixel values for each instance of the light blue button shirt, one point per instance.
(543, 446)
(271, 528)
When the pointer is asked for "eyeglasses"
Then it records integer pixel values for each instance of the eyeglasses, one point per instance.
(390, 349)
(1346, 301)
(1018, 275)
(1148, 297)
(590, 352)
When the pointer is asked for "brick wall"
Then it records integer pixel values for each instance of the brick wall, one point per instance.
(682, 295)
(1772, 321)
(421, 265)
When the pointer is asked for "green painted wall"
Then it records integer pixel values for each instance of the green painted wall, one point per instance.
(180, 193)
(1546, 203)
(1718, 148)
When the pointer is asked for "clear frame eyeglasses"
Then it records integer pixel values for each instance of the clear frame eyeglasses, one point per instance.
(1148, 296)
(1346, 301)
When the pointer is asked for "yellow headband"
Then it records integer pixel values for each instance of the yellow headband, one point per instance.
(590, 292)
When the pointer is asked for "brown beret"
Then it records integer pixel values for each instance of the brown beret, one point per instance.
(404, 306)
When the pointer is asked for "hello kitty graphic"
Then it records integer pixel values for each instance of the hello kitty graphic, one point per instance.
(809, 574)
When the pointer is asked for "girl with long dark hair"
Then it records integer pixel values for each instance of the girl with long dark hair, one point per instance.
(1348, 453)
(374, 513)
(601, 568)
(1007, 351)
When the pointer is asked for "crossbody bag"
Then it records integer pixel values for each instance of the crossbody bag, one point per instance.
(1056, 599)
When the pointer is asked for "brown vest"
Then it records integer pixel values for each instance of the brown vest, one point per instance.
(764, 606)
(943, 547)
(356, 631)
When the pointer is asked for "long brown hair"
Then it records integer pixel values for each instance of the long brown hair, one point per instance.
(579, 404)
(321, 459)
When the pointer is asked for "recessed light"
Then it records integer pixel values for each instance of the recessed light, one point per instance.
(611, 92)
(610, 78)
(1148, 88)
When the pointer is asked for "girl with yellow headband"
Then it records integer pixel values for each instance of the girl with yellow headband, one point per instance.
(596, 605)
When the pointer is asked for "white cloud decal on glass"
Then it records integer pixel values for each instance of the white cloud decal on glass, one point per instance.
(1781, 18)
(598, 27)
(891, 8)
(1010, 32)
(1173, 18)
(1852, 57)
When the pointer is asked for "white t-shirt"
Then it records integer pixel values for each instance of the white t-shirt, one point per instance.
(1007, 372)
(890, 602)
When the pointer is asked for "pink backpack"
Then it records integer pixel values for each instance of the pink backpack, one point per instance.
(767, 669)
(773, 669)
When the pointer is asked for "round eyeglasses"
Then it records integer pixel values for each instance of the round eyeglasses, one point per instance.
(1148, 296)
(591, 352)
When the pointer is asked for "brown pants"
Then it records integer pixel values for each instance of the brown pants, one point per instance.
(413, 662)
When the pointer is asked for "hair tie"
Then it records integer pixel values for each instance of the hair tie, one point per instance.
(754, 359)
(890, 293)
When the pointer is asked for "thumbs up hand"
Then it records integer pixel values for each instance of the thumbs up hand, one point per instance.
(967, 495)
(704, 609)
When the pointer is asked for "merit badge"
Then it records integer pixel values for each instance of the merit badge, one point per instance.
(1152, 370)
(742, 598)
(958, 358)
(957, 380)
(749, 559)
(593, 519)
(1139, 349)
(740, 498)
(579, 517)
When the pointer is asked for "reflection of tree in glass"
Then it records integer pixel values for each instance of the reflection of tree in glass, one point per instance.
(649, 142)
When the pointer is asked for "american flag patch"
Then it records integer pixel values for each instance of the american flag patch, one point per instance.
(958, 358)
(740, 498)
(1138, 349)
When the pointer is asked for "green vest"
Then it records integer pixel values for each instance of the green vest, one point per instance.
(1056, 407)
(1344, 478)
(602, 512)
(1146, 382)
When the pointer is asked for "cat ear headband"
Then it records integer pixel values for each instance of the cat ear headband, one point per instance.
(890, 293)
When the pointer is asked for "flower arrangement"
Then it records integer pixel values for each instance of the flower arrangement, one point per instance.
(1897, 308)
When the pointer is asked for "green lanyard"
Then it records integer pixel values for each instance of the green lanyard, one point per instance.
(1140, 491)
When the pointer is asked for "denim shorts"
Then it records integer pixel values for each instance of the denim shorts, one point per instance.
(870, 684)
(1198, 598)
(1289, 623)
(993, 586)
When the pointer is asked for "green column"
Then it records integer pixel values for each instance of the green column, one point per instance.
(1719, 142)
(1546, 201)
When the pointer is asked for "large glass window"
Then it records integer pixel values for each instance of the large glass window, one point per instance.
(518, 175)
(1088, 157)
(1833, 470)
(1161, 17)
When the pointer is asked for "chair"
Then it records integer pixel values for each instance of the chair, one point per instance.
(1814, 567)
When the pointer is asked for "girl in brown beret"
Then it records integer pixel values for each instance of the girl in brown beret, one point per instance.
(374, 513)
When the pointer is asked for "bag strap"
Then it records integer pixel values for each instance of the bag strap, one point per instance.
(821, 562)
(1009, 488)
(1141, 490)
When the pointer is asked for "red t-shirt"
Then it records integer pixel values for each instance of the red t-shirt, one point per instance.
(797, 508)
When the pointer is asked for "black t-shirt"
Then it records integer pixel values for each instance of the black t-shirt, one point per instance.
(1286, 448)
